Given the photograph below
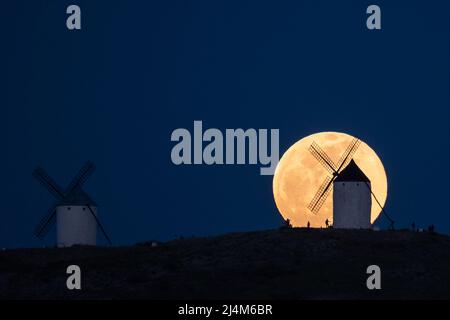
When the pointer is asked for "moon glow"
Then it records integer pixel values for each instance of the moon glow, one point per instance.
(299, 175)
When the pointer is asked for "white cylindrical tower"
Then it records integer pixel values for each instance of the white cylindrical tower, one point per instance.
(352, 199)
(76, 225)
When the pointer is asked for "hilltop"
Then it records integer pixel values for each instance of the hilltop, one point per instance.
(274, 264)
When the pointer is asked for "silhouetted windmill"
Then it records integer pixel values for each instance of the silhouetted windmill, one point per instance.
(75, 224)
(335, 169)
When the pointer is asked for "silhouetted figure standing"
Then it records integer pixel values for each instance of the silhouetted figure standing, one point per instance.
(288, 223)
(413, 226)
(308, 225)
(327, 223)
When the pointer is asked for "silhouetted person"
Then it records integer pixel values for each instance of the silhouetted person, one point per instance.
(392, 226)
(431, 229)
(413, 226)
(288, 223)
(327, 223)
(308, 225)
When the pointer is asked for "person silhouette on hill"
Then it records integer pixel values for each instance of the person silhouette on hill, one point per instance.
(288, 223)
(308, 225)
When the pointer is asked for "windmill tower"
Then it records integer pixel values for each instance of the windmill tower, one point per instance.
(347, 212)
(75, 213)
(352, 199)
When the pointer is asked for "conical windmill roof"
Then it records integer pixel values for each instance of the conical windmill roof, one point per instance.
(352, 173)
(77, 198)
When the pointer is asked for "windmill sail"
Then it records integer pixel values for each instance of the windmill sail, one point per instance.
(322, 157)
(321, 195)
(48, 182)
(46, 223)
(81, 177)
(326, 187)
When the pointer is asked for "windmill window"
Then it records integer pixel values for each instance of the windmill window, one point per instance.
(68, 208)
(357, 184)
(84, 208)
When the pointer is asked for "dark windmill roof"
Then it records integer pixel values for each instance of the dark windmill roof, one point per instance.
(77, 198)
(352, 173)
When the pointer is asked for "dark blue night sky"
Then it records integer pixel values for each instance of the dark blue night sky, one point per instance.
(114, 91)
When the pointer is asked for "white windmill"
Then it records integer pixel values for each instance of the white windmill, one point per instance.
(75, 212)
(352, 199)
(352, 195)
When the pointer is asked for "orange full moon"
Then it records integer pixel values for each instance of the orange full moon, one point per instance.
(299, 175)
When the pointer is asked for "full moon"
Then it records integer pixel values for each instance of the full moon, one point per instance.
(299, 175)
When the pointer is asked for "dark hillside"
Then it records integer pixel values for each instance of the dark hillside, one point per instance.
(279, 264)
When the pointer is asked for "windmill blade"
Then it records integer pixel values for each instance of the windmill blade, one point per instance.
(321, 195)
(81, 177)
(48, 182)
(348, 154)
(99, 224)
(46, 223)
(383, 211)
(323, 158)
